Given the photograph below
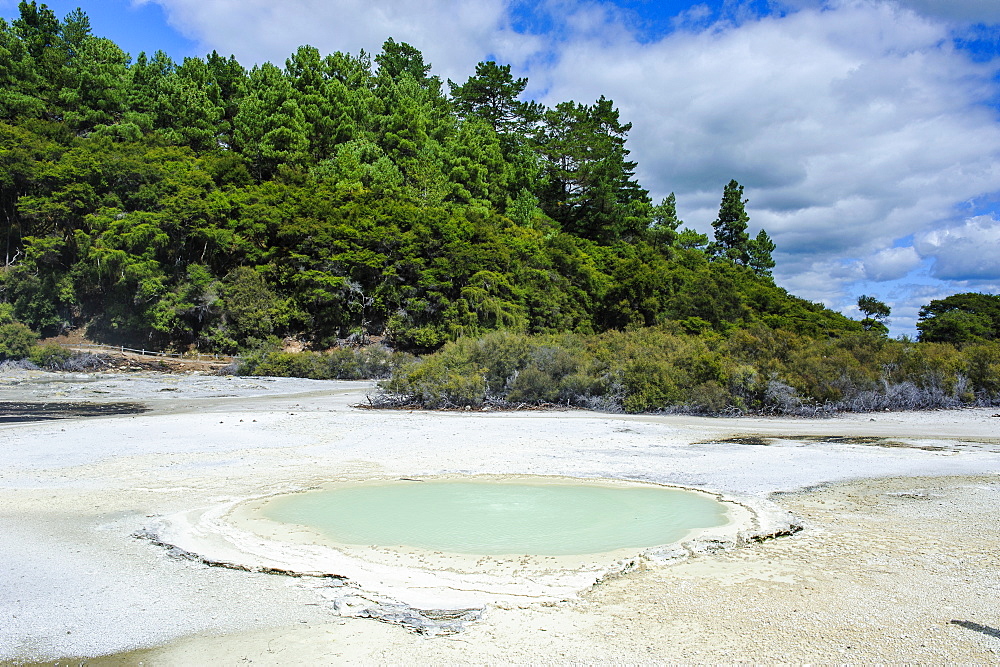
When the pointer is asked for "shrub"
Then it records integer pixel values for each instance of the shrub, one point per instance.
(781, 398)
(50, 356)
(533, 385)
(16, 341)
(708, 398)
(437, 382)
(982, 365)
(756, 370)
(500, 353)
(370, 363)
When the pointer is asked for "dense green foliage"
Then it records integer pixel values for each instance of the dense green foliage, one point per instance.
(756, 370)
(961, 319)
(16, 339)
(198, 204)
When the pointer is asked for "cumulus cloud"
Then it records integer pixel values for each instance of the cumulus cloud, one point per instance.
(970, 251)
(822, 280)
(891, 263)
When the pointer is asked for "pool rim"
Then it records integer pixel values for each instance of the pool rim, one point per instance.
(230, 534)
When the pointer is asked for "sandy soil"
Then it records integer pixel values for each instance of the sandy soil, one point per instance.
(898, 561)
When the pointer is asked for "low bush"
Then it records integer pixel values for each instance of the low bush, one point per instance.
(16, 341)
(367, 363)
(50, 356)
(754, 370)
(437, 381)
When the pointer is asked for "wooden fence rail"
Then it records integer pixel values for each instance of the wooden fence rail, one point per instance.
(151, 353)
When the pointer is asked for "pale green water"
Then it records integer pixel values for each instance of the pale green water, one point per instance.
(500, 517)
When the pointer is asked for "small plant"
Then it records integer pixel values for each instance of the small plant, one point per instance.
(50, 356)
(16, 341)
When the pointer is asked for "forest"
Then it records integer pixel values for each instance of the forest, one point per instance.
(347, 200)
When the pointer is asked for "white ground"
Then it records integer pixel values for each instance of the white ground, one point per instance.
(897, 563)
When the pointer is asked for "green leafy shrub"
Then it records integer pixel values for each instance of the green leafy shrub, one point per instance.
(982, 366)
(50, 356)
(709, 398)
(368, 363)
(437, 381)
(16, 341)
(755, 370)
(533, 385)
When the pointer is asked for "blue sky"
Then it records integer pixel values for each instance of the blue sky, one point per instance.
(866, 132)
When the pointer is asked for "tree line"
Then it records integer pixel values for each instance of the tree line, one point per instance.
(201, 204)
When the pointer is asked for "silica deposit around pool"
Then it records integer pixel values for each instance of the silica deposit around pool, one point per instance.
(494, 517)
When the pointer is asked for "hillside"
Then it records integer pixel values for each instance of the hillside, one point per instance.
(201, 205)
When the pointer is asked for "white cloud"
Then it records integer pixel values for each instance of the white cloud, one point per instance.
(452, 34)
(957, 11)
(891, 263)
(970, 251)
(821, 280)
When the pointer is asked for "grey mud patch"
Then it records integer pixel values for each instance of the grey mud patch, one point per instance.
(873, 441)
(427, 622)
(867, 440)
(26, 411)
(754, 440)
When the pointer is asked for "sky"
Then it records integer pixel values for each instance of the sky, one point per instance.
(866, 132)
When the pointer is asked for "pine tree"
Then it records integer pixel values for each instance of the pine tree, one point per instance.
(306, 72)
(350, 91)
(731, 239)
(193, 111)
(93, 84)
(146, 84)
(39, 32)
(663, 230)
(590, 187)
(760, 249)
(492, 95)
(270, 128)
(399, 58)
(875, 312)
(475, 164)
(20, 81)
(228, 84)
